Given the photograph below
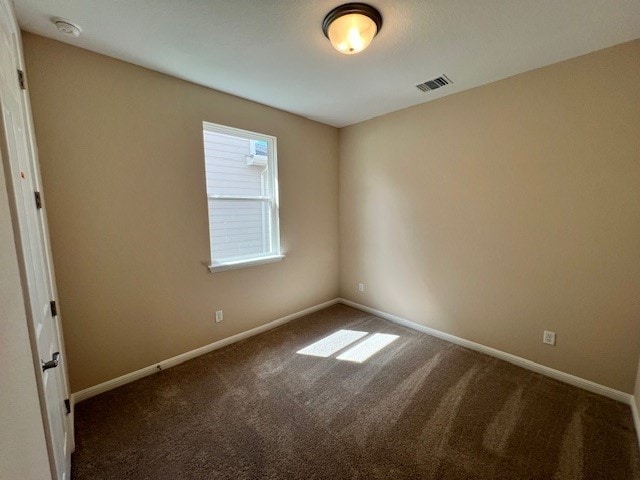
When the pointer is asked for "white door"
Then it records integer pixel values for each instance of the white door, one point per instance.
(23, 180)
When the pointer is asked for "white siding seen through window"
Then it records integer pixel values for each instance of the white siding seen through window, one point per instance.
(241, 176)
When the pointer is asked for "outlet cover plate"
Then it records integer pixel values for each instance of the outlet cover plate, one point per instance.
(549, 337)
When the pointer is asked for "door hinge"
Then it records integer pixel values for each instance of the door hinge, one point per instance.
(67, 405)
(54, 308)
(21, 81)
(38, 200)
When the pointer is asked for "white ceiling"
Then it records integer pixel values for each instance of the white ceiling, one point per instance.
(274, 52)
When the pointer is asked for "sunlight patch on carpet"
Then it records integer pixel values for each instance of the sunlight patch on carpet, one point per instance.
(332, 343)
(367, 348)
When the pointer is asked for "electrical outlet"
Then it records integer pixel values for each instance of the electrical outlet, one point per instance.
(549, 338)
(361, 287)
(219, 316)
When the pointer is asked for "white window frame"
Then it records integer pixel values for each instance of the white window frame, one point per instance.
(272, 201)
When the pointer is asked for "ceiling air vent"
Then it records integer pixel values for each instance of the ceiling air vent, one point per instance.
(434, 83)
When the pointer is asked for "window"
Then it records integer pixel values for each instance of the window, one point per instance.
(242, 191)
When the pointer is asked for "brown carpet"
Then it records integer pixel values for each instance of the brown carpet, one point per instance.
(418, 408)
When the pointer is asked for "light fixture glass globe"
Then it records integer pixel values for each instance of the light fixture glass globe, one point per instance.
(352, 33)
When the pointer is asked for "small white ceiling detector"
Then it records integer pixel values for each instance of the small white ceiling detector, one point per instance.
(66, 27)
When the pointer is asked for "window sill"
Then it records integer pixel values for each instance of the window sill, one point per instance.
(220, 267)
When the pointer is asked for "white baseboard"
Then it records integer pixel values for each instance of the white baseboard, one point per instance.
(173, 361)
(508, 357)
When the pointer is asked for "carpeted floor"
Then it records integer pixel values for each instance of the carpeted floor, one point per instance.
(420, 408)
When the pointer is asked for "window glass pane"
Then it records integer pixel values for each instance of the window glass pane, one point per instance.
(232, 168)
(239, 228)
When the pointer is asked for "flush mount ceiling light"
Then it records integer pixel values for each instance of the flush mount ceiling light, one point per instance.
(351, 27)
(66, 27)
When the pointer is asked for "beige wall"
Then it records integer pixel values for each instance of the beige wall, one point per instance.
(505, 210)
(123, 171)
(23, 453)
